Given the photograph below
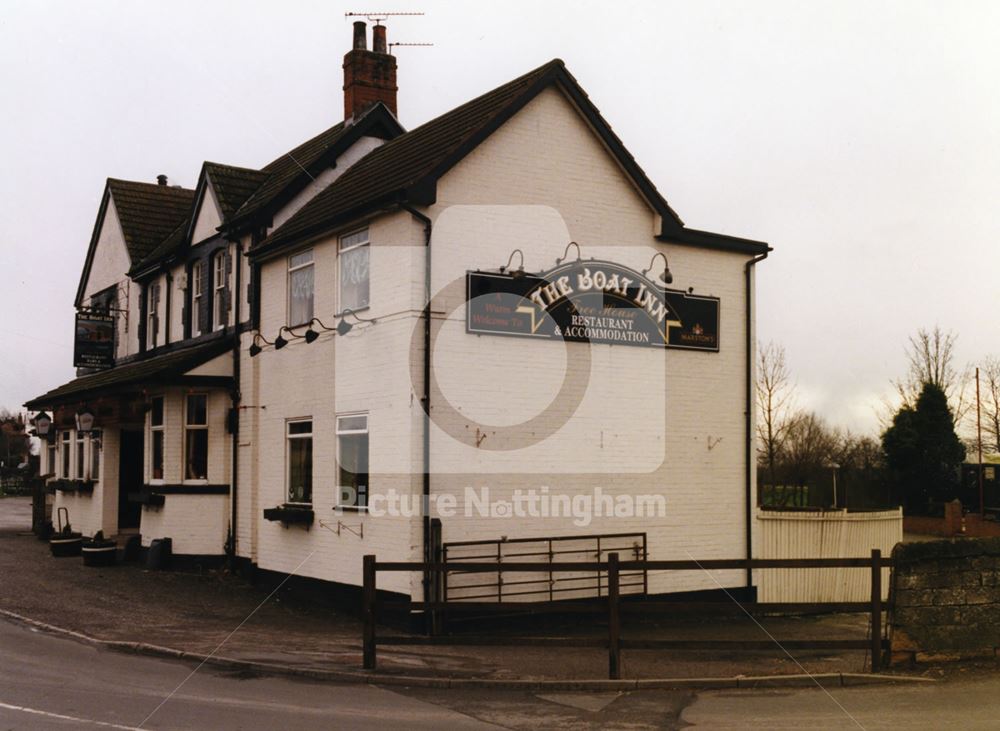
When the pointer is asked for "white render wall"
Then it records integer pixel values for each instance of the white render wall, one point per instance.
(676, 425)
(108, 268)
(196, 524)
(367, 370)
(692, 419)
(98, 510)
(209, 217)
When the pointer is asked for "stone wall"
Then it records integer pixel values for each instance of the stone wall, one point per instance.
(946, 599)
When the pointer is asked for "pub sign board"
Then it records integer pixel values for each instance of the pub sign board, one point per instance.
(591, 301)
(94, 342)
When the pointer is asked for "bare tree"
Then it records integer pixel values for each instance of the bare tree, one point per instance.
(930, 358)
(776, 406)
(809, 448)
(989, 378)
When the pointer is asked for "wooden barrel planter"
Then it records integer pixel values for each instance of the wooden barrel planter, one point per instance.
(99, 551)
(65, 542)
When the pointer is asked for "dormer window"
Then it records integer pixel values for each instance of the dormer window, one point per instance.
(220, 277)
(153, 316)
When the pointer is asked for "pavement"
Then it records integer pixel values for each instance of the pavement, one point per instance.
(198, 613)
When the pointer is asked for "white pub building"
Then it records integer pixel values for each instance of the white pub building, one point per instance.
(486, 336)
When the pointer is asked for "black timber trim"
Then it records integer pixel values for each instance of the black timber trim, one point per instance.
(149, 499)
(720, 242)
(187, 489)
(376, 122)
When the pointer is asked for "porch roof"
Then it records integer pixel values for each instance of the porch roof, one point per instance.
(168, 369)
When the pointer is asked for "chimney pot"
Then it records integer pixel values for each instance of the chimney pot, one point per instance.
(378, 39)
(161, 179)
(360, 36)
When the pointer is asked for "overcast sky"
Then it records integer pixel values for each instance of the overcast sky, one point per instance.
(861, 140)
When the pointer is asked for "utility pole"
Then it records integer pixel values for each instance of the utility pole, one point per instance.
(979, 436)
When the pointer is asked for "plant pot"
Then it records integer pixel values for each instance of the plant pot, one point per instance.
(65, 544)
(99, 553)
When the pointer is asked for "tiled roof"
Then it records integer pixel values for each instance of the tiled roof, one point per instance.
(285, 169)
(159, 369)
(233, 185)
(302, 161)
(404, 161)
(148, 213)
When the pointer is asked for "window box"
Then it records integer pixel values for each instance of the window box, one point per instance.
(291, 515)
(149, 499)
(80, 486)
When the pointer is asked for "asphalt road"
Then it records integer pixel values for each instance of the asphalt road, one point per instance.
(49, 682)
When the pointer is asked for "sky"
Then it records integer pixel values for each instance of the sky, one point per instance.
(859, 139)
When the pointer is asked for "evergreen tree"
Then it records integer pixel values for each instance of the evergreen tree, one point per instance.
(923, 453)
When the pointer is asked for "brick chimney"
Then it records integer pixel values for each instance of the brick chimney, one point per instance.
(369, 76)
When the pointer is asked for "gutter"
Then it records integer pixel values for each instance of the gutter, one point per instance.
(749, 461)
(426, 397)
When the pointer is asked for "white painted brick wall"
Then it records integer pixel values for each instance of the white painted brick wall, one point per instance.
(196, 524)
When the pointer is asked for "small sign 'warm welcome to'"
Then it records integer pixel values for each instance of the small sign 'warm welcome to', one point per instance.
(591, 301)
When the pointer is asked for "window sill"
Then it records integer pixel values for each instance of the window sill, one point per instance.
(352, 508)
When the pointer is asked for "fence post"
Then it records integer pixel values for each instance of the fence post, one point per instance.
(614, 620)
(876, 610)
(368, 610)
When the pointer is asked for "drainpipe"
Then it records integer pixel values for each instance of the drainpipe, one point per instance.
(426, 397)
(749, 461)
(236, 396)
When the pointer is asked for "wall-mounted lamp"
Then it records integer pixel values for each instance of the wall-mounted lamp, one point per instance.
(280, 342)
(85, 420)
(310, 335)
(344, 327)
(517, 273)
(666, 277)
(255, 349)
(43, 422)
(565, 255)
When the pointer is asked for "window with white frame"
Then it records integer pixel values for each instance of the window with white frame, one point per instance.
(352, 460)
(354, 271)
(196, 298)
(220, 280)
(153, 315)
(81, 455)
(298, 456)
(196, 437)
(156, 427)
(65, 444)
(301, 287)
(95, 454)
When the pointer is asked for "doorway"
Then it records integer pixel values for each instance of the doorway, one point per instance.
(130, 476)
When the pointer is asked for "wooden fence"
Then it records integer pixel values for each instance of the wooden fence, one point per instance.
(613, 607)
